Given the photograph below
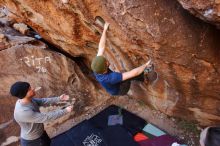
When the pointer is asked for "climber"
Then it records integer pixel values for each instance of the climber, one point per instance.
(210, 136)
(29, 117)
(115, 83)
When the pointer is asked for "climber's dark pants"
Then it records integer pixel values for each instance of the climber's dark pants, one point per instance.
(125, 85)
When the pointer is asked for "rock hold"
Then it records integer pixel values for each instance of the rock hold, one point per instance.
(2, 37)
(65, 1)
(21, 27)
(2, 14)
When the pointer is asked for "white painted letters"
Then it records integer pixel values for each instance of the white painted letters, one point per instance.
(37, 62)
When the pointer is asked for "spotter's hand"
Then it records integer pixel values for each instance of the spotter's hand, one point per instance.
(69, 108)
(64, 97)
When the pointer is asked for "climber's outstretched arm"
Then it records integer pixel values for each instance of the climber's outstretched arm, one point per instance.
(135, 72)
(103, 40)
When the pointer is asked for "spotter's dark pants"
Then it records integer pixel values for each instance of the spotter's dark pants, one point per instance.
(44, 140)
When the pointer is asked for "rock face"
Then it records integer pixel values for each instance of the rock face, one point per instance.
(27, 59)
(208, 10)
(184, 49)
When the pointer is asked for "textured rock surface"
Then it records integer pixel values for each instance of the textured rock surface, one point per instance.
(26, 59)
(208, 10)
(21, 27)
(185, 50)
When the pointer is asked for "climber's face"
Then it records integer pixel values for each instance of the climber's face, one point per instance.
(107, 66)
(203, 136)
(107, 63)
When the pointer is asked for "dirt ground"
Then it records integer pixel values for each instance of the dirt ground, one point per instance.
(185, 131)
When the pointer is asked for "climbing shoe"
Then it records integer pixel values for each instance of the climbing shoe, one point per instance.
(149, 69)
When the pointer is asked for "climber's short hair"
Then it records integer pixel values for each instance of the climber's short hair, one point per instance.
(99, 65)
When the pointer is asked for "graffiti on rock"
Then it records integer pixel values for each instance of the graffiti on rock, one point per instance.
(37, 62)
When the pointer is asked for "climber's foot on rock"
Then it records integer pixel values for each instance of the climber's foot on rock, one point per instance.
(150, 74)
(149, 69)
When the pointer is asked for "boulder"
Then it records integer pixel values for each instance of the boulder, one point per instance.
(208, 10)
(27, 59)
(183, 48)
